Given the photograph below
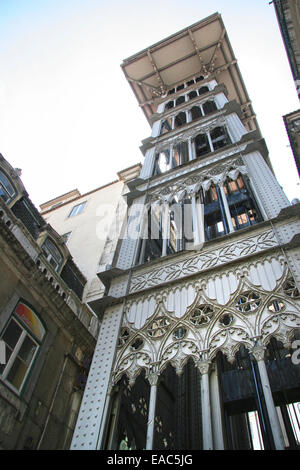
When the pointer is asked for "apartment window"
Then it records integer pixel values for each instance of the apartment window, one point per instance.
(7, 191)
(77, 209)
(52, 254)
(22, 337)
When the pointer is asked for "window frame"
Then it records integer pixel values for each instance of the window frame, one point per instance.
(49, 255)
(10, 196)
(78, 209)
(25, 333)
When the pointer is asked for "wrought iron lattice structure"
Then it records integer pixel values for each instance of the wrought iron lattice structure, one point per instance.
(192, 317)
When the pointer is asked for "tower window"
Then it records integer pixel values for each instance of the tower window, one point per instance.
(192, 95)
(209, 107)
(180, 119)
(214, 215)
(162, 162)
(203, 89)
(201, 145)
(180, 154)
(196, 112)
(180, 100)
(169, 105)
(242, 205)
(219, 137)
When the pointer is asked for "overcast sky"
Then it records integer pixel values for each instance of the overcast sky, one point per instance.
(68, 117)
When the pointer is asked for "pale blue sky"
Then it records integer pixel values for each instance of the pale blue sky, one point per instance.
(69, 119)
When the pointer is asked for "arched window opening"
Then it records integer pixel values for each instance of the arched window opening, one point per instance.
(7, 191)
(209, 107)
(169, 105)
(219, 137)
(171, 92)
(203, 89)
(201, 145)
(196, 113)
(180, 87)
(180, 100)
(165, 127)
(180, 119)
(199, 79)
(192, 94)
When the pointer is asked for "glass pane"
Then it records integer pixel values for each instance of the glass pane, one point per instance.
(17, 373)
(51, 248)
(27, 350)
(3, 194)
(6, 184)
(255, 431)
(12, 334)
(77, 209)
(53, 263)
(8, 352)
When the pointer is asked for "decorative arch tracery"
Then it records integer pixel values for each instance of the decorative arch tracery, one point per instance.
(207, 327)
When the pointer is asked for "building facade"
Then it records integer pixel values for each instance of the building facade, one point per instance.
(47, 334)
(288, 16)
(200, 315)
(91, 224)
(292, 125)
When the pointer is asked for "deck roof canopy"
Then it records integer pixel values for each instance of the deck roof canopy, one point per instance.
(200, 49)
